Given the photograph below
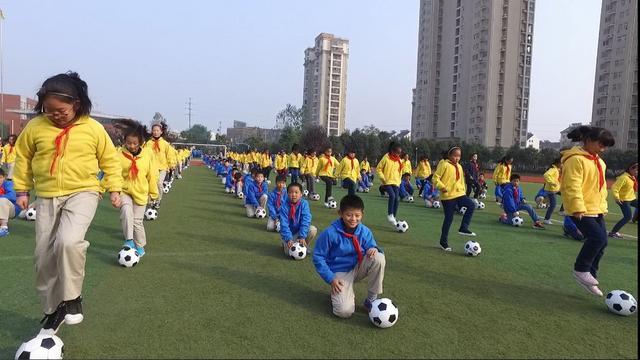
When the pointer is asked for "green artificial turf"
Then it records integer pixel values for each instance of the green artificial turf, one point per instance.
(215, 284)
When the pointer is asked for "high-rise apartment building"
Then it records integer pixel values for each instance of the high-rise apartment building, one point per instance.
(325, 83)
(615, 94)
(474, 68)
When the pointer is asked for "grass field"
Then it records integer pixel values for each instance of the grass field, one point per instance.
(215, 284)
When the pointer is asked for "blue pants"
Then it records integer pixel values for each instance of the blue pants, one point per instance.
(449, 208)
(295, 173)
(394, 199)
(552, 204)
(350, 185)
(498, 192)
(626, 214)
(523, 207)
(595, 233)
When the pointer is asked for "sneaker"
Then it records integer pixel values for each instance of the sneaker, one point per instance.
(392, 219)
(466, 232)
(140, 251)
(616, 235)
(446, 248)
(129, 243)
(4, 232)
(548, 222)
(73, 311)
(327, 205)
(585, 278)
(367, 304)
(538, 225)
(51, 323)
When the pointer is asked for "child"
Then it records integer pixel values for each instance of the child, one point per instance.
(389, 171)
(294, 163)
(472, 170)
(513, 201)
(229, 181)
(247, 182)
(308, 169)
(483, 185)
(9, 156)
(584, 192)
(449, 180)
(429, 192)
(422, 173)
(406, 189)
(140, 178)
(501, 176)
(363, 183)
(265, 164)
(346, 253)
(8, 207)
(257, 195)
(624, 192)
(366, 166)
(59, 152)
(325, 170)
(406, 164)
(163, 154)
(281, 162)
(295, 219)
(541, 200)
(571, 230)
(276, 198)
(238, 182)
(552, 187)
(349, 171)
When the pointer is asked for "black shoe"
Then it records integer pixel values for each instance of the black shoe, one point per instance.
(74, 314)
(51, 323)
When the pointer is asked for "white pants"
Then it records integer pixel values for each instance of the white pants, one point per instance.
(131, 216)
(251, 210)
(271, 224)
(344, 303)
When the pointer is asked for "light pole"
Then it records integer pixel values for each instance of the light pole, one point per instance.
(1, 78)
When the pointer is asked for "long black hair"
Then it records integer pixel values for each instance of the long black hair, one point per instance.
(593, 133)
(505, 158)
(128, 127)
(556, 162)
(67, 87)
(393, 146)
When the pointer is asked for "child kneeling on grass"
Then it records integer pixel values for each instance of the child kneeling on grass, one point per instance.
(406, 189)
(8, 207)
(346, 253)
(513, 201)
(274, 203)
(295, 219)
(256, 195)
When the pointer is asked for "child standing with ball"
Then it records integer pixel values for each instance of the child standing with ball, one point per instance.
(389, 171)
(59, 153)
(295, 219)
(624, 192)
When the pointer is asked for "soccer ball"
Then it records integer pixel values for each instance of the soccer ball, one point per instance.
(151, 214)
(481, 205)
(483, 195)
(30, 215)
(268, 182)
(261, 213)
(298, 251)
(436, 204)
(384, 313)
(621, 302)
(305, 193)
(402, 226)
(233, 191)
(166, 189)
(366, 190)
(127, 257)
(472, 248)
(315, 197)
(428, 203)
(517, 221)
(240, 195)
(41, 347)
(476, 202)
(542, 206)
(463, 210)
(333, 204)
(168, 184)
(410, 199)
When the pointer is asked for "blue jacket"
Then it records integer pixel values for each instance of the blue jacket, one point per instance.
(542, 193)
(255, 191)
(228, 182)
(334, 252)
(571, 229)
(246, 181)
(510, 203)
(300, 222)
(9, 194)
(429, 191)
(274, 209)
(406, 189)
(364, 181)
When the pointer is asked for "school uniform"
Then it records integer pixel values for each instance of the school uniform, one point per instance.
(63, 174)
(162, 153)
(624, 192)
(8, 207)
(274, 202)
(501, 177)
(255, 197)
(349, 171)
(512, 201)
(472, 171)
(308, 170)
(294, 166)
(423, 171)
(9, 159)
(406, 189)
(363, 183)
(325, 170)
(341, 254)
(295, 223)
(571, 230)
(281, 164)
(552, 188)
(389, 171)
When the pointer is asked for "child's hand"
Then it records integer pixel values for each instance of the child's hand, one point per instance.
(303, 242)
(371, 253)
(23, 201)
(336, 286)
(115, 200)
(289, 244)
(578, 215)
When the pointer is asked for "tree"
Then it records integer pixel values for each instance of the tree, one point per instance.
(256, 143)
(315, 137)
(290, 116)
(288, 137)
(198, 134)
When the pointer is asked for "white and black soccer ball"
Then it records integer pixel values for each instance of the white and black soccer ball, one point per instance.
(30, 215)
(298, 251)
(315, 197)
(542, 206)
(621, 302)
(165, 189)
(151, 214)
(481, 205)
(436, 204)
(41, 347)
(333, 204)
(410, 199)
(472, 248)
(463, 210)
(305, 193)
(366, 190)
(240, 195)
(261, 213)
(517, 221)
(128, 257)
(402, 226)
(383, 313)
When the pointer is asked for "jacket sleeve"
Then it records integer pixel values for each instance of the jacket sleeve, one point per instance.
(152, 178)
(317, 171)
(403, 190)
(271, 205)
(380, 170)
(617, 186)
(571, 185)
(497, 174)
(437, 176)
(25, 148)
(251, 195)
(551, 177)
(10, 193)
(367, 241)
(108, 161)
(305, 220)
(285, 231)
(321, 254)
(338, 169)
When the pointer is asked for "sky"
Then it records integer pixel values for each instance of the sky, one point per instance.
(243, 59)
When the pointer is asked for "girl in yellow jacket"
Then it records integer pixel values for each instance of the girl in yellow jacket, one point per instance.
(9, 158)
(325, 170)
(407, 168)
(624, 191)
(366, 166)
(501, 175)
(308, 170)
(389, 170)
(265, 164)
(162, 153)
(59, 153)
(423, 171)
(449, 180)
(551, 187)
(349, 172)
(584, 194)
(281, 163)
(295, 158)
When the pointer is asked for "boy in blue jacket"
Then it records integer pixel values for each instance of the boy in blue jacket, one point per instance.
(247, 182)
(571, 230)
(364, 184)
(346, 253)
(513, 201)
(406, 189)
(276, 198)
(541, 198)
(295, 219)
(229, 181)
(257, 195)
(8, 207)
(429, 192)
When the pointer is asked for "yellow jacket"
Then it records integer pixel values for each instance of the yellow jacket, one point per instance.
(265, 160)
(552, 179)
(8, 154)
(161, 150)
(501, 174)
(294, 160)
(281, 162)
(173, 156)
(364, 165)
(84, 149)
(145, 184)
(326, 166)
(347, 171)
(580, 183)
(389, 171)
(424, 169)
(445, 178)
(623, 189)
(406, 167)
(309, 165)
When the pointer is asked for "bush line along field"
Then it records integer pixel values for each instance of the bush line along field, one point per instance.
(215, 284)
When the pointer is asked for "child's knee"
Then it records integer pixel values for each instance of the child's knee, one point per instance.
(379, 260)
(344, 311)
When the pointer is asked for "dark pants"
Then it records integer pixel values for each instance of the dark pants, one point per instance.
(449, 208)
(626, 214)
(552, 205)
(382, 190)
(295, 172)
(394, 199)
(473, 185)
(267, 172)
(350, 185)
(311, 183)
(328, 181)
(595, 234)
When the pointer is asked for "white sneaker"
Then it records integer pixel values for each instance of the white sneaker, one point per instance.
(392, 219)
(548, 222)
(326, 205)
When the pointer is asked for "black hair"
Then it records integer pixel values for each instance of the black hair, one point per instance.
(446, 154)
(237, 176)
(593, 133)
(556, 161)
(514, 177)
(406, 174)
(281, 177)
(471, 156)
(424, 157)
(504, 159)
(14, 136)
(393, 146)
(295, 147)
(2, 173)
(294, 184)
(130, 127)
(310, 150)
(254, 171)
(631, 166)
(67, 87)
(351, 202)
(327, 148)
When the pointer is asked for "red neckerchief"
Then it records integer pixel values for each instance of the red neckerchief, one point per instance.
(396, 158)
(457, 170)
(259, 188)
(516, 195)
(596, 159)
(352, 165)
(156, 144)
(476, 166)
(635, 183)
(10, 148)
(329, 162)
(133, 171)
(278, 199)
(2, 190)
(292, 211)
(356, 244)
(508, 173)
(60, 146)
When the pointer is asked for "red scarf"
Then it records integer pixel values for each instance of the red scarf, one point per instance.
(396, 158)
(596, 159)
(329, 162)
(2, 190)
(133, 171)
(516, 195)
(259, 189)
(10, 148)
(60, 146)
(508, 172)
(635, 183)
(457, 170)
(278, 199)
(292, 211)
(352, 165)
(356, 244)
(156, 145)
